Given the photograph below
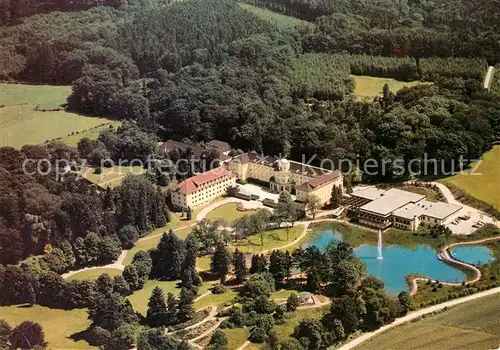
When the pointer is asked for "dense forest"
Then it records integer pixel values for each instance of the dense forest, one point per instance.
(411, 27)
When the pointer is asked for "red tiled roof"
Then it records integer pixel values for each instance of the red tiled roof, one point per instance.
(192, 184)
(319, 181)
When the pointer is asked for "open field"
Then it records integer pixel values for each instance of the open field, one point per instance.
(91, 275)
(93, 134)
(281, 21)
(369, 87)
(227, 212)
(472, 325)
(58, 325)
(46, 96)
(23, 125)
(486, 186)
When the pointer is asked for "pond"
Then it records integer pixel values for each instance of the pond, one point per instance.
(398, 261)
(476, 255)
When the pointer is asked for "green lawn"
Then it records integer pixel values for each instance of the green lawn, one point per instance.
(285, 330)
(23, 125)
(227, 212)
(139, 299)
(486, 186)
(113, 176)
(58, 325)
(369, 87)
(214, 299)
(152, 240)
(473, 325)
(91, 275)
(283, 22)
(236, 337)
(272, 240)
(46, 96)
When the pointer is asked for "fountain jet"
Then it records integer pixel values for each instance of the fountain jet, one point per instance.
(379, 245)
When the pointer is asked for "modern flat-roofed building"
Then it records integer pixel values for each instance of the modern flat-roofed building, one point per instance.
(401, 209)
(202, 188)
(286, 175)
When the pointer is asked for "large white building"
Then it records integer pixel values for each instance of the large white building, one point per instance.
(202, 188)
(401, 209)
(285, 175)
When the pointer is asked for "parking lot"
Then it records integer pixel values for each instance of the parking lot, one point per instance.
(465, 227)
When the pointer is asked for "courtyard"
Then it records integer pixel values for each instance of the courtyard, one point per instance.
(261, 191)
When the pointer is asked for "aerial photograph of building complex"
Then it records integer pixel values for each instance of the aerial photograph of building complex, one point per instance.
(249, 174)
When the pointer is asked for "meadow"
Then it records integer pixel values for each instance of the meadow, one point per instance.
(113, 176)
(485, 185)
(22, 125)
(45, 96)
(93, 274)
(283, 22)
(472, 325)
(59, 325)
(93, 134)
(369, 87)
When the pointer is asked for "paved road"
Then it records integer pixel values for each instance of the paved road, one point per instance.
(489, 77)
(416, 314)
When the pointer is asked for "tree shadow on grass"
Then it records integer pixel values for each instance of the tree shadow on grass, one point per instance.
(87, 335)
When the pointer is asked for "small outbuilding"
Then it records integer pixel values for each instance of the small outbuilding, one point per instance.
(306, 298)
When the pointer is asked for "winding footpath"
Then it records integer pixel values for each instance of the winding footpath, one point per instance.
(489, 77)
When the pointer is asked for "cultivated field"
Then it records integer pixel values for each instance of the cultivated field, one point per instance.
(21, 125)
(46, 96)
(473, 325)
(60, 326)
(486, 186)
(279, 20)
(369, 87)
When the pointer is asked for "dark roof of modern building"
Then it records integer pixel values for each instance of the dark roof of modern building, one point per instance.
(192, 184)
(319, 181)
(221, 146)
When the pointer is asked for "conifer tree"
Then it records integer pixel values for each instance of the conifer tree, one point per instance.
(240, 268)
(185, 306)
(259, 264)
(168, 257)
(218, 341)
(172, 304)
(221, 262)
(157, 308)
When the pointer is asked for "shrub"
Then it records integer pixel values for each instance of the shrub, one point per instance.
(219, 289)
(258, 335)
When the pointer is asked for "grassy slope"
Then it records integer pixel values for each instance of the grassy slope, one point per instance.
(93, 134)
(44, 95)
(113, 176)
(58, 325)
(23, 125)
(369, 87)
(473, 325)
(91, 275)
(486, 186)
(281, 21)
(227, 212)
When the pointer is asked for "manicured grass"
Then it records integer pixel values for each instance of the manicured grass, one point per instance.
(92, 134)
(152, 240)
(236, 337)
(283, 294)
(473, 325)
(113, 176)
(272, 239)
(140, 298)
(91, 275)
(283, 22)
(58, 325)
(286, 329)
(46, 96)
(227, 212)
(23, 125)
(369, 87)
(214, 299)
(203, 263)
(486, 186)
